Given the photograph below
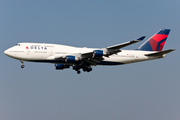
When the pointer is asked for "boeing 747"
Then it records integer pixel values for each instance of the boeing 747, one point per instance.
(63, 56)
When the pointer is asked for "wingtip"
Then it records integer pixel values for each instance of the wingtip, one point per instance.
(172, 49)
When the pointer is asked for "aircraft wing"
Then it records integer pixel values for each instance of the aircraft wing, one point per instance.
(111, 49)
(160, 53)
(95, 56)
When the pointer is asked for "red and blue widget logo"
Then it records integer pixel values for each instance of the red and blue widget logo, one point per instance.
(156, 42)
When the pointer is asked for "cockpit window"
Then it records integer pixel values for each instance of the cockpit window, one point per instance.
(17, 44)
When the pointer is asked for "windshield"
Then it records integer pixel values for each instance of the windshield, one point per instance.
(17, 44)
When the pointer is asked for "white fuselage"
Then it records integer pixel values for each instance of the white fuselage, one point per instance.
(41, 52)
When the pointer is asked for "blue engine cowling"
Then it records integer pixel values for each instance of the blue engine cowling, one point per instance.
(71, 59)
(61, 66)
(98, 53)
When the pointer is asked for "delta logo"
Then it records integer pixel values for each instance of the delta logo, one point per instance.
(36, 47)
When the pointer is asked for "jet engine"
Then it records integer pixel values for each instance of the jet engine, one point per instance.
(61, 66)
(99, 53)
(71, 59)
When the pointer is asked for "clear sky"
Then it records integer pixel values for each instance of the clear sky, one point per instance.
(141, 91)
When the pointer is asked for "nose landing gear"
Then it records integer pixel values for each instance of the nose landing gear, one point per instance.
(22, 64)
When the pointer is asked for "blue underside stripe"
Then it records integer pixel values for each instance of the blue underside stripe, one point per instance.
(59, 61)
(110, 63)
(47, 61)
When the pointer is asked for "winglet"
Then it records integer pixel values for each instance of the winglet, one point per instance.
(141, 38)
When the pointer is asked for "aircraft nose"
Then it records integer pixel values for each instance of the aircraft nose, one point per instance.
(10, 53)
(6, 52)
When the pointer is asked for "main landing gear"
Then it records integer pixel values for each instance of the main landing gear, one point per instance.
(84, 68)
(87, 69)
(22, 64)
(78, 72)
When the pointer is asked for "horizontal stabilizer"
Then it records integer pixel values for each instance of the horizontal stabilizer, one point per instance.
(160, 53)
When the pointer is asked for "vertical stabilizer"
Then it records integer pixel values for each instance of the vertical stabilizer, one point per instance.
(156, 42)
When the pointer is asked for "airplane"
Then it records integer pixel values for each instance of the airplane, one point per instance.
(63, 56)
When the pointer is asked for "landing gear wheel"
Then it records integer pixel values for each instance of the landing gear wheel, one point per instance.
(78, 72)
(22, 66)
(84, 69)
(89, 69)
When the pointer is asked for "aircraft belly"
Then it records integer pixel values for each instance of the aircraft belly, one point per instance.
(116, 60)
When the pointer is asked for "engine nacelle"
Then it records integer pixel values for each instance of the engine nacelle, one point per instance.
(71, 59)
(99, 53)
(61, 66)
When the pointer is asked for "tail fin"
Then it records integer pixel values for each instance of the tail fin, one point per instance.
(156, 42)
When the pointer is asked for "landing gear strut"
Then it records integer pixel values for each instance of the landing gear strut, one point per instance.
(22, 64)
